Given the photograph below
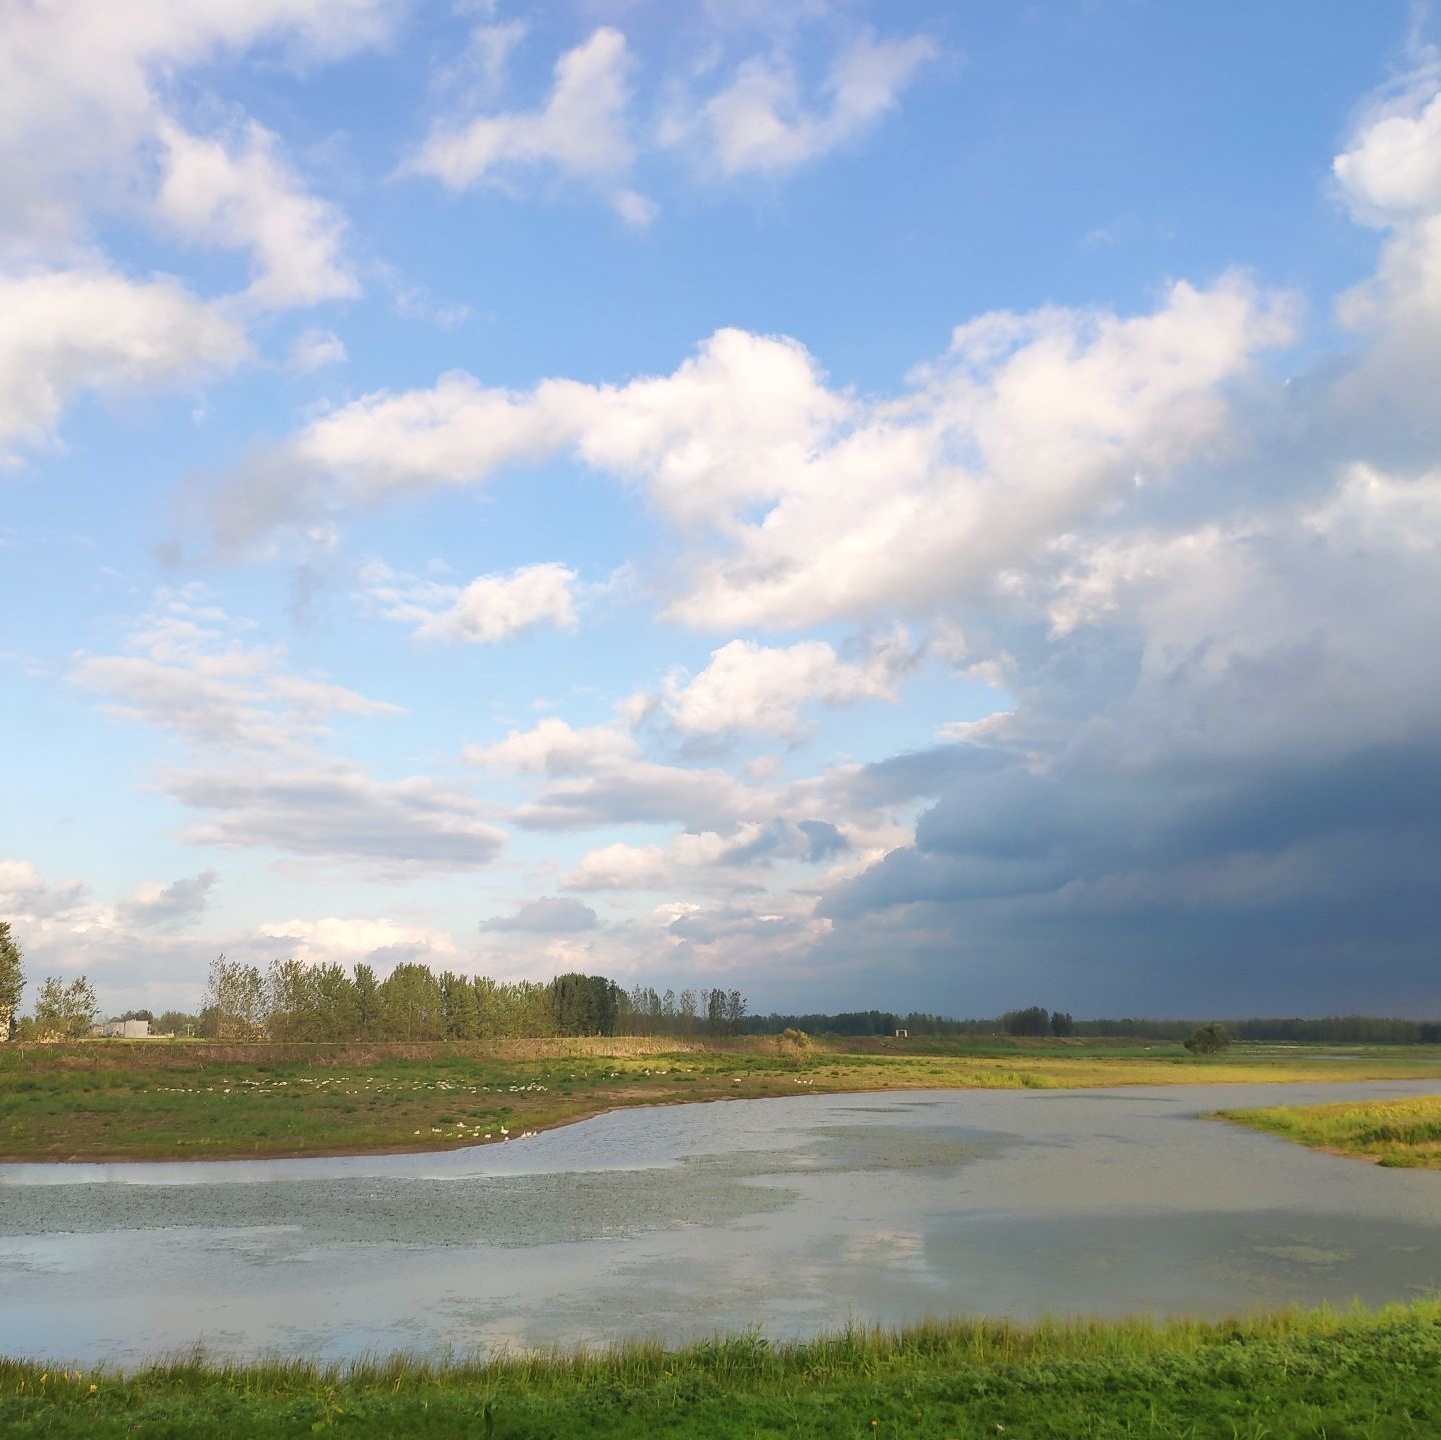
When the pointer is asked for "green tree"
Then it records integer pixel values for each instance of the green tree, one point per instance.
(715, 1011)
(65, 1012)
(289, 1003)
(735, 1012)
(605, 1004)
(234, 1006)
(12, 978)
(367, 1001)
(489, 1007)
(1061, 1023)
(573, 1001)
(1034, 1020)
(461, 1007)
(49, 1009)
(586, 1004)
(1208, 1039)
(525, 1008)
(635, 1012)
(82, 1009)
(410, 1007)
(335, 1004)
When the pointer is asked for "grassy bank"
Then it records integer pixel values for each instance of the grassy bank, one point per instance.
(178, 1100)
(1298, 1375)
(1390, 1132)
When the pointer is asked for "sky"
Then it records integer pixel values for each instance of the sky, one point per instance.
(916, 505)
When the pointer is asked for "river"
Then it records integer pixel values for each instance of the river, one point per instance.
(792, 1215)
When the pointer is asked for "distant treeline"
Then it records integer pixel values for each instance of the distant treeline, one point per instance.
(1330, 1029)
(292, 1001)
(327, 1003)
(1032, 1021)
(870, 1022)
(1035, 1020)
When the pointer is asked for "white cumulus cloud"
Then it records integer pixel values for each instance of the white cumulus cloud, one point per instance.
(64, 332)
(1390, 177)
(82, 84)
(342, 940)
(762, 688)
(240, 193)
(806, 503)
(1393, 166)
(582, 131)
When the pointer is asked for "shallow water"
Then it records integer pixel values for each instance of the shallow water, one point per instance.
(794, 1215)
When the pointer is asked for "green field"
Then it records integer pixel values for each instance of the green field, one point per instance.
(1401, 1133)
(1356, 1376)
(178, 1100)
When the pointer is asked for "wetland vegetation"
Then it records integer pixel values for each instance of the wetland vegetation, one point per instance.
(1401, 1133)
(1300, 1374)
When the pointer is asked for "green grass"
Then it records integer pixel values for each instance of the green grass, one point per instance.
(175, 1100)
(1354, 1376)
(1401, 1133)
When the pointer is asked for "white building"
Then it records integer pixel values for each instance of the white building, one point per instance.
(121, 1030)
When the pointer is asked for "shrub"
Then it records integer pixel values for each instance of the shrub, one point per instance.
(1208, 1039)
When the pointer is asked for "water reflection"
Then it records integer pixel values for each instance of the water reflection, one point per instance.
(796, 1214)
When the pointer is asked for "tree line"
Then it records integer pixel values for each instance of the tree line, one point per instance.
(1037, 1020)
(1327, 1030)
(295, 1002)
(1034, 1020)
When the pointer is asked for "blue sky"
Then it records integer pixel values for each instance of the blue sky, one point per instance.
(926, 505)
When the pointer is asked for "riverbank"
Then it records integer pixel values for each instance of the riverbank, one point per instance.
(114, 1100)
(1298, 1374)
(1405, 1134)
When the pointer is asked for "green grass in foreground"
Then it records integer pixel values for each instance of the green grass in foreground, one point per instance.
(1402, 1133)
(179, 1101)
(1355, 1376)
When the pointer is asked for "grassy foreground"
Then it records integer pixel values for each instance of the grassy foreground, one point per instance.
(1357, 1376)
(1403, 1133)
(177, 1100)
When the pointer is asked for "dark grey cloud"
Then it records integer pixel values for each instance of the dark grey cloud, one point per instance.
(1222, 788)
(759, 850)
(546, 916)
(824, 839)
(916, 775)
(1305, 887)
(729, 924)
(809, 840)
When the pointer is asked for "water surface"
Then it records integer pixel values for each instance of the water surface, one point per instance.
(795, 1215)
